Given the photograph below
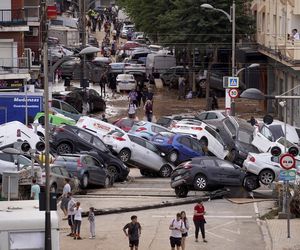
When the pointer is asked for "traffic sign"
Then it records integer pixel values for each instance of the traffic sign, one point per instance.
(287, 161)
(233, 82)
(233, 93)
(287, 175)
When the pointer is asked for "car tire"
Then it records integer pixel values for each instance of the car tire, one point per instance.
(85, 181)
(173, 156)
(53, 188)
(64, 148)
(181, 191)
(251, 183)
(124, 155)
(200, 182)
(113, 171)
(266, 176)
(165, 171)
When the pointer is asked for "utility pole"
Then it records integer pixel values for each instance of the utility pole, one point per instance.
(233, 52)
(82, 7)
(47, 127)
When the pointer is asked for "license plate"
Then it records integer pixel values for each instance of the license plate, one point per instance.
(177, 178)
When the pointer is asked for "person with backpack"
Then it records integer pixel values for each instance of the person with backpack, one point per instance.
(148, 108)
(177, 228)
(133, 232)
(186, 229)
(199, 220)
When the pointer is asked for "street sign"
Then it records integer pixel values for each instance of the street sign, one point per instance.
(287, 161)
(233, 82)
(233, 93)
(287, 175)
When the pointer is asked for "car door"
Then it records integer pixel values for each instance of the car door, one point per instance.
(100, 172)
(154, 159)
(138, 150)
(185, 147)
(91, 168)
(196, 147)
(211, 170)
(230, 175)
(86, 138)
(215, 143)
(263, 139)
(56, 177)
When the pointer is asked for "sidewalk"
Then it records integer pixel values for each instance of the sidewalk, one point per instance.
(278, 233)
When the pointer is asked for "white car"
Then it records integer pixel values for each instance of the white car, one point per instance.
(212, 115)
(96, 126)
(265, 166)
(125, 82)
(13, 132)
(266, 136)
(204, 133)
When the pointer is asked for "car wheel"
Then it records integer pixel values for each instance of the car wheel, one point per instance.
(251, 182)
(107, 182)
(125, 155)
(53, 188)
(113, 171)
(85, 181)
(266, 176)
(165, 171)
(173, 156)
(64, 148)
(200, 182)
(181, 191)
(232, 155)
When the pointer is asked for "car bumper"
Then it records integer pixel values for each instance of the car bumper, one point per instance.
(126, 86)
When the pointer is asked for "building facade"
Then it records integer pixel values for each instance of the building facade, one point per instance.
(275, 20)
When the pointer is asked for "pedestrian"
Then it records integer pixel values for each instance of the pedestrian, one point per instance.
(133, 232)
(64, 197)
(145, 95)
(102, 85)
(181, 88)
(148, 108)
(131, 110)
(104, 119)
(214, 101)
(71, 214)
(139, 94)
(185, 230)
(177, 228)
(99, 20)
(113, 85)
(35, 190)
(199, 220)
(132, 96)
(91, 219)
(77, 221)
(252, 121)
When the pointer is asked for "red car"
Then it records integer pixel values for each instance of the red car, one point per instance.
(125, 123)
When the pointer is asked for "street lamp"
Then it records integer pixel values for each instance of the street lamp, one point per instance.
(231, 18)
(253, 65)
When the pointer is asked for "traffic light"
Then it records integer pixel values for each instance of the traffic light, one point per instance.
(276, 151)
(294, 151)
(25, 147)
(40, 146)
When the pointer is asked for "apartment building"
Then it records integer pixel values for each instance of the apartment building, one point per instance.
(275, 20)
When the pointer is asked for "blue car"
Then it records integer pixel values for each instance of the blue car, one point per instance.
(147, 130)
(178, 147)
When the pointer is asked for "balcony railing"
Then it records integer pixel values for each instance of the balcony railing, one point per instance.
(9, 17)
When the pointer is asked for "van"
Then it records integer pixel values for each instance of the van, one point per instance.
(157, 64)
(23, 226)
(95, 126)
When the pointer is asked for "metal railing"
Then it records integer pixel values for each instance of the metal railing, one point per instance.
(9, 17)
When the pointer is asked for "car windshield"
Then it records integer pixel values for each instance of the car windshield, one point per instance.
(244, 136)
(284, 142)
(277, 131)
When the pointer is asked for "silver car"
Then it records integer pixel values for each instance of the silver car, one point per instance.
(145, 156)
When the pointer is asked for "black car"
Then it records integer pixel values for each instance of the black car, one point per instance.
(86, 168)
(70, 139)
(237, 135)
(203, 172)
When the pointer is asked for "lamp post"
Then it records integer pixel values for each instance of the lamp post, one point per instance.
(256, 94)
(231, 18)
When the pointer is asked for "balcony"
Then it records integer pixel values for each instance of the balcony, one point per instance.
(9, 17)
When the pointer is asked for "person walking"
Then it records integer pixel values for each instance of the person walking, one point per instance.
(133, 231)
(91, 219)
(113, 85)
(103, 81)
(104, 119)
(199, 220)
(77, 221)
(71, 214)
(185, 230)
(177, 228)
(181, 88)
(148, 108)
(35, 190)
(132, 96)
(131, 110)
(64, 197)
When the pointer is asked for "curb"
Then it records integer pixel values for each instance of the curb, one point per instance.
(146, 207)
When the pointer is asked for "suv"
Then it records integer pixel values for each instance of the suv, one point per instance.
(86, 168)
(171, 76)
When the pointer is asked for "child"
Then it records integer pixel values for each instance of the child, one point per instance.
(77, 221)
(91, 219)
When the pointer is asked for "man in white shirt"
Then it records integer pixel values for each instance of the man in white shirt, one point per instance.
(176, 227)
(65, 198)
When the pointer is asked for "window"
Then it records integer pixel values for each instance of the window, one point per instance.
(214, 134)
(224, 164)
(85, 136)
(55, 170)
(151, 147)
(41, 120)
(245, 137)
(138, 141)
(95, 162)
(89, 161)
(55, 104)
(5, 157)
(202, 116)
(230, 126)
(211, 116)
(208, 163)
(196, 146)
(68, 108)
(276, 131)
(266, 133)
(185, 141)
(23, 160)
(157, 129)
(99, 144)
(64, 172)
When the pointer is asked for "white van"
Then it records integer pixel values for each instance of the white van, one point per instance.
(23, 226)
(159, 63)
(12, 132)
(95, 126)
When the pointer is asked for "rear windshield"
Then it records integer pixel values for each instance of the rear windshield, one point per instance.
(163, 121)
(277, 131)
